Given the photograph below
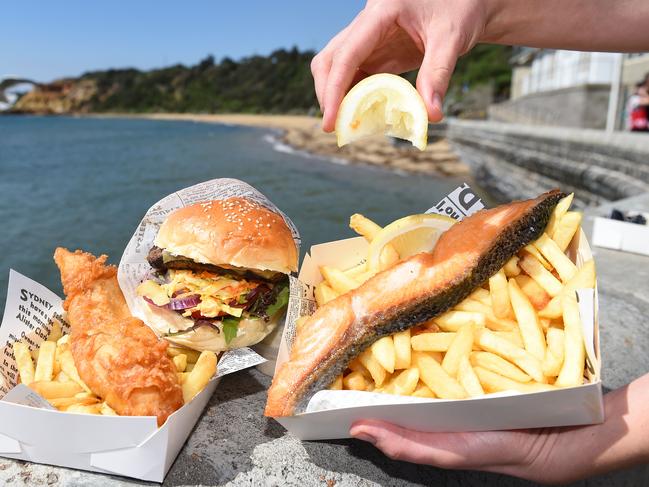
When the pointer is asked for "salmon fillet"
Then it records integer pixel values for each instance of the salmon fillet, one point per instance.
(415, 290)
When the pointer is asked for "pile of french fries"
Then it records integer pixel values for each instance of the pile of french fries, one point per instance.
(520, 331)
(51, 372)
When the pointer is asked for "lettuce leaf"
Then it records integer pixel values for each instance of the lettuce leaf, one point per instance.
(280, 302)
(230, 328)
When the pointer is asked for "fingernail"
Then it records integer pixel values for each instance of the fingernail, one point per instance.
(366, 437)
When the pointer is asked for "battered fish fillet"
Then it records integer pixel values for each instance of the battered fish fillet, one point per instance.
(413, 291)
(117, 355)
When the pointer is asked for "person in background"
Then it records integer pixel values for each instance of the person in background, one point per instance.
(637, 108)
(401, 35)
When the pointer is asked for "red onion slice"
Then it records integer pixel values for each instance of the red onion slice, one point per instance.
(184, 303)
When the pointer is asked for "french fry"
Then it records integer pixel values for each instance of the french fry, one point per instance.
(528, 322)
(324, 293)
(572, 370)
(423, 390)
(45, 364)
(337, 384)
(534, 252)
(181, 377)
(56, 332)
(106, 410)
(66, 361)
(368, 229)
(24, 363)
(492, 382)
(200, 375)
(511, 267)
(357, 270)
(404, 383)
(535, 293)
(584, 279)
(435, 377)
(192, 355)
(338, 280)
(402, 356)
(384, 353)
(491, 321)
(499, 365)
(551, 251)
(82, 409)
(454, 320)
(364, 226)
(567, 228)
(432, 342)
(65, 402)
(62, 377)
(554, 354)
(460, 347)
(541, 275)
(55, 390)
(491, 342)
(355, 381)
(376, 370)
(513, 336)
(558, 213)
(481, 295)
(499, 294)
(356, 366)
(180, 361)
(468, 379)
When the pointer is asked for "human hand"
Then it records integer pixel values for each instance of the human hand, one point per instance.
(396, 36)
(548, 455)
(524, 453)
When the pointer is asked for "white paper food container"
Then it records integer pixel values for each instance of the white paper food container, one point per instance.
(330, 414)
(30, 429)
(619, 235)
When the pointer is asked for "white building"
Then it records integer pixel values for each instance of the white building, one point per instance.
(569, 88)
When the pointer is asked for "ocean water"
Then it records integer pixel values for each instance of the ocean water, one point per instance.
(86, 182)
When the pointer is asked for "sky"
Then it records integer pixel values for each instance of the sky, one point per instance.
(49, 40)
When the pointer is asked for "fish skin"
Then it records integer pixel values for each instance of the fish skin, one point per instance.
(413, 291)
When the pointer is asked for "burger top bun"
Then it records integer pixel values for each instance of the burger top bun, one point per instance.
(234, 231)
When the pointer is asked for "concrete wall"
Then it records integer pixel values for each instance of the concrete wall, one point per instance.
(513, 161)
(583, 106)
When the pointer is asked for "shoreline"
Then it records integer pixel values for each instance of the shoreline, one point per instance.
(304, 133)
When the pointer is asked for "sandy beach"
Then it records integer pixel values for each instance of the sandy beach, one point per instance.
(304, 133)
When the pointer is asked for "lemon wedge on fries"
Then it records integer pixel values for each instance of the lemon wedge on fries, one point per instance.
(409, 235)
(383, 104)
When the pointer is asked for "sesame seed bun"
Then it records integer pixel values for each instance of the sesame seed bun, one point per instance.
(235, 231)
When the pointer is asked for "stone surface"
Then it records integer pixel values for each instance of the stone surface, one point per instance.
(233, 444)
(514, 161)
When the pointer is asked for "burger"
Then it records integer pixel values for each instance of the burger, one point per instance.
(219, 277)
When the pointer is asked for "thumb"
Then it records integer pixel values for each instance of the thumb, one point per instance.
(434, 76)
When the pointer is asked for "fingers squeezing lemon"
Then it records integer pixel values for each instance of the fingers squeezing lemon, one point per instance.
(383, 104)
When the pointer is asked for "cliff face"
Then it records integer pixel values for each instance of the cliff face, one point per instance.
(278, 83)
(63, 96)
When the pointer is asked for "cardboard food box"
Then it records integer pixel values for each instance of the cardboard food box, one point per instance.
(619, 235)
(330, 413)
(32, 430)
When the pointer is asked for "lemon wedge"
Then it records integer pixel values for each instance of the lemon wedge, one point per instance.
(383, 104)
(409, 235)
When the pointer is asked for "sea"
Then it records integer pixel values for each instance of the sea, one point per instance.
(85, 183)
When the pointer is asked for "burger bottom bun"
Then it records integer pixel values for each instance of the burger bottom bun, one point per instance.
(165, 321)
